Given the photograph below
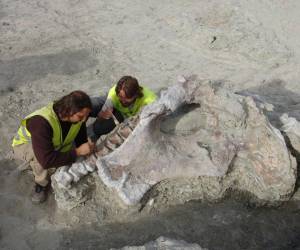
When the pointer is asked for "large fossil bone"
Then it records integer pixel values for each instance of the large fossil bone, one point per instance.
(68, 175)
(196, 128)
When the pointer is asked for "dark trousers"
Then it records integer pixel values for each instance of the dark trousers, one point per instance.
(101, 126)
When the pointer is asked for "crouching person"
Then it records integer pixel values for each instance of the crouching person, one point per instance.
(53, 136)
(125, 99)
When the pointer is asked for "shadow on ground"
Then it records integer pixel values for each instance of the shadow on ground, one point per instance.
(276, 93)
(30, 68)
(225, 225)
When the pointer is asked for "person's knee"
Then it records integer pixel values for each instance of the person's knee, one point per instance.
(102, 127)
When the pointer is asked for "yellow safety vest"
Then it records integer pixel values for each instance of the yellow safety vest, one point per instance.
(24, 136)
(147, 98)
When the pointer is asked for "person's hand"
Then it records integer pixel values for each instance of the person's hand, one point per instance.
(105, 114)
(83, 149)
(92, 145)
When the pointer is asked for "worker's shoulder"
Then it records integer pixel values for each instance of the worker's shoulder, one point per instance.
(148, 93)
(36, 122)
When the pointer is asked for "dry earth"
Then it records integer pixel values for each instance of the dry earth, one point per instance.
(49, 48)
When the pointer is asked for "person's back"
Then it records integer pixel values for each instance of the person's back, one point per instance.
(46, 138)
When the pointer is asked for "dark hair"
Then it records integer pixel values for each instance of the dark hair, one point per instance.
(130, 86)
(72, 103)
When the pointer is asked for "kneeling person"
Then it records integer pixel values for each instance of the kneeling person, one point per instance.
(53, 136)
(125, 99)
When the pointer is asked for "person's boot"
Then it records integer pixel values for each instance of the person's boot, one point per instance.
(39, 194)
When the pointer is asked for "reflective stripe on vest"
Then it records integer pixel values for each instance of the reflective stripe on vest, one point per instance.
(147, 98)
(24, 136)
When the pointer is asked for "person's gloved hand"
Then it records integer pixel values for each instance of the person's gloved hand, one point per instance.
(105, 114)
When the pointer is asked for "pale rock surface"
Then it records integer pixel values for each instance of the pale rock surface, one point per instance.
(163, 243)
(291, 127)
(201, 132)
(69, 196)
(65, 181)
(49, 48)
(228, 137)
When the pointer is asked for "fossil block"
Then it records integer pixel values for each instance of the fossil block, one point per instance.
(125, 132)
(90, 166)
(74, 170)
(102, 151)
(63, 178)
(291, 127)
(197, 128)
(198, 131)
(115, 139)
(81, 168)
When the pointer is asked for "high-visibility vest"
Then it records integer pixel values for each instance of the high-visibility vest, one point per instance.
(147, 98)
(24, 136)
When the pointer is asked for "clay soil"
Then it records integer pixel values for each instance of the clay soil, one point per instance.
(49, 48)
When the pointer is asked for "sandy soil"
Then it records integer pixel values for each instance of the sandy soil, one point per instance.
(49, 48)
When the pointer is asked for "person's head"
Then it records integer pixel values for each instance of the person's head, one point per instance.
(74, 107)
(128, 90)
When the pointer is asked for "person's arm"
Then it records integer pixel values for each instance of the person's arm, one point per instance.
(81, 137)
(41, 138)
(80, 141)
(107, 109)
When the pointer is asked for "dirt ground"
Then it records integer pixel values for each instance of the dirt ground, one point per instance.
(229, 224)
(49, 48)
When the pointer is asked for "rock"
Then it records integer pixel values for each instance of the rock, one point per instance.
(165, 244)
(72, 196)
(291, 127)
(66, 177)
(198, 129)
(198, 141)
